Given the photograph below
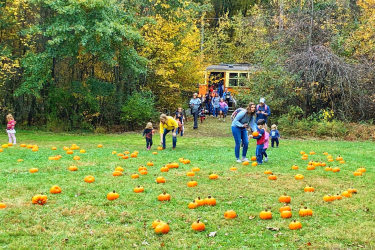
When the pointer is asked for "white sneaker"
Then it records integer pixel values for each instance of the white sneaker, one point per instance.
(266, 159)
(238, 160)
(245, 159)
(219, 118)
(223, 120)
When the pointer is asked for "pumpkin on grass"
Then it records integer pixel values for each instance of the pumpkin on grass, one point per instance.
(40, 199)
(295, 225)
(305, 212)
(135, 176)
(286, 214)
(162, 228)
(230, 214)
(117, 173)
(193, 205)
(285, 208)
(195, 169)
(198, 226)
(298, 177)
(33, 170)
(272, 177)
(210, 201)
(265, 215)
(285, 198)
(200, 201)
(156, 223)
(213, 176)
(164, 169)
(192, 183)
(55, 189)
(138, 189)
(294, 167)
(309, 189)
(160, 179)
(2, 205)
(89, 179)
(164, 197)
(113, 195)
(233, 168)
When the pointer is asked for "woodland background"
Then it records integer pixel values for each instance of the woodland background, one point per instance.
(111, 65)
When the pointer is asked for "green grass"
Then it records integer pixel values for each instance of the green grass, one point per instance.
(82, 217)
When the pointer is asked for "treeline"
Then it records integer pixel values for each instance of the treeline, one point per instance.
(95, 64)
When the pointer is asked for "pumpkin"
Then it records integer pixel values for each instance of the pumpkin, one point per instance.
(89, 179)
(33, 170)
(160, 179)
(254, 164)
(295, 225)
(329, 157)
(210, 201)
(125, 157)
(312, 153)
(337, 197)
(245, 163)
(4, 146)
(1, 150)
(77, 158)
(325, 153)
(120, 154)
(310, 163)
(352, 190)
(268, 172)
(29, 146)
(159, 148)
(302, 152)
(69, 152)
(265, 215)
(357, 173)
(54, 148)
(143, 172)
(328, 168)
(39, 199)
(133, 155)
(118, 168)
(186, 161)
(156, 223)
(35, 149)
(195, 169)
(284, 208)
(169, 165)
(346, 194)
(73, 168)
(305, 212)
(100, 146)
(305, 155)
(135, 176)
(255, 134)
(323, 164)
(309, 189)
(294, 167)
(142, 168)
(138, 189)
(200, 201)
(361, 169)
(164, 169)
(2, 205)
(192, 183)
(328, 198)
(253, 158)
(112, 196)
(233, 168)
(316, 164)
(154, 153)
(330, 160)
(164, 197)
(336, 169)
(272, 177)
(285, 198)
(117, 173)
(114, 152)
(198, 226)
(298, 177)
(175, 165)
(286, 214)
(126, 152)
(193, 205)
(20, 160)
(55, 190)
(339, 158)
(150, 164)
(230, 214)
(213, 176)
(23, 145)
(304, 158)
(310, 167)
(162, 228)
(181, 160)
(341, 162)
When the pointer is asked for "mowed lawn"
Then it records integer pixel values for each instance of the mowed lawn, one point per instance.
(81, 216)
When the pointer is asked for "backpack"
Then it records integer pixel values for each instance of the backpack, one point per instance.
(235, 113)
(265, 107)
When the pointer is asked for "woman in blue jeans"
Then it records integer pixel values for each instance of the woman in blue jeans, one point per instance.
(243, 120)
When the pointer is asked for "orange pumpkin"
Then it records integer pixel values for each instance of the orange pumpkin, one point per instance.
(154, 153)
(120, 154)
(193, 205)
(164, 169)
(117, 173)
(138, 189)
(89, 179)
(361, 169)
(82, 151)
(339, 158)
(114, 152)
(213, 176)
(135, 176)
(55, 190)
(69, 152)
(298, 177)
(325, 153)
(285, 198)
(265, 215)
(346, 194)
(336, 169)
(312, 153)
(2, 205)
(253, 158)
(255, 134)
(268, 172)
(33, 170)
(118, 168)
(272, 177)
(200, 201)
(305, 212)
(192, 183)
(311, 167)
(77, 158)
(245, 163)
(328, 168)
(150, 164)
(54, 148)
(230, 214)
(112, 196)
(186, 161)
(133, 155)
(357, 173)
(328, 198)
(309, 189)
(302, 152)
(164, 197)
(294, 167)
(284, 208)
(143, 172)
(233, 168)
(125, 157)
(23, 145)
(100, 146)
(160, 179)
(254, 164)
(126, 152)
(337, 197)
(39, 199)
(195, 169)
(155, 223)
(198, 226)
(162, 228)
(286, 214)
(295, 225)
(73, 168)
(210, 201)
(352, 190)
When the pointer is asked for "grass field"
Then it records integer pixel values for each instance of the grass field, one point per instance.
(81, 216)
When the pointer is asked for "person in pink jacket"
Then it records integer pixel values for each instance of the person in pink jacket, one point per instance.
(10, 128)
(265, 145)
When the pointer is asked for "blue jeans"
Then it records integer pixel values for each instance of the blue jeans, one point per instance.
(264, 153)
(258, 153)
(148, 142)
(166, 131)
(208, 107)
(240, 134)
(216, 111)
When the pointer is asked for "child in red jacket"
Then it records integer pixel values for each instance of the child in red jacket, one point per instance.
(260, 140)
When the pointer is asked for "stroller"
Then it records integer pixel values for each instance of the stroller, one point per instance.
(202, 114)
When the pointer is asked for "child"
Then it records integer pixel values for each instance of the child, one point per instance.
(265, 145)
(179, 117)
(149, 132)
(223, 109)
(10, 128)
(275, 136)
(202, 114)
(215, 103)
(260, 140)
(180, 129)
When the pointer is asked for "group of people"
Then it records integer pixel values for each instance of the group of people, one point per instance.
(253, 117)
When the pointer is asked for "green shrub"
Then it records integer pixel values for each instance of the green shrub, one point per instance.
(139, 109)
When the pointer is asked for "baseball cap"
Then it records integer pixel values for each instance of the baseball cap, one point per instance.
(262, 100)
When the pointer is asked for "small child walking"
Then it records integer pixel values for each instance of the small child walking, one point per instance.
(275, 136)
(223, 109)
(10, 129)
(266, 142)
(260, 140)
(202, 114)
(149, 132)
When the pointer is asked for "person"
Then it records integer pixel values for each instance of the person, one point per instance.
(228, 97)
(263, 111)
(223, 109)
(10, 129)
(266, 142)
(195, 104)
(216, 105)
(202, 114)
(207, 102)
(275, 136)
(180, 129)
(179, 116)
(260, 140)
(168, 124)
(149, 132)
(220, 88)
(243, 120)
